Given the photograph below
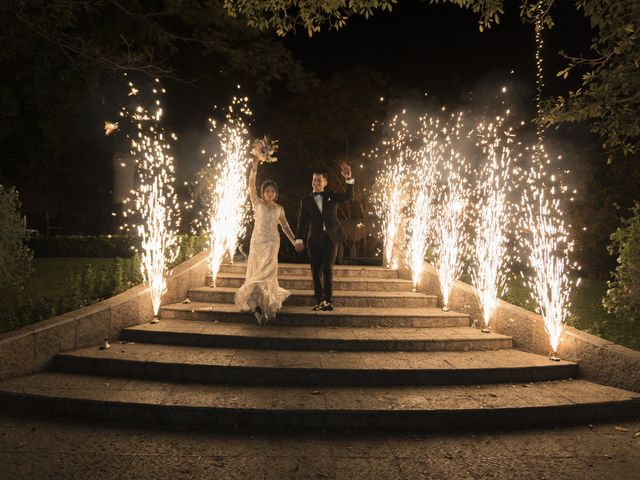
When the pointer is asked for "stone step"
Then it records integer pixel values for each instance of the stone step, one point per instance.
(340, 298)
(306, 317)
(398, 408)
(304, 270)
(229, 335)
(235, 280)
(284, 367)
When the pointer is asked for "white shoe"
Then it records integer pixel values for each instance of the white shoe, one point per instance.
(258, 314)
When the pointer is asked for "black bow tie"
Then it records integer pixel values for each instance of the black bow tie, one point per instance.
(318, 193)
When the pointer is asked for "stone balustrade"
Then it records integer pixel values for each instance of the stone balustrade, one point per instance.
(32, 348)
(599, 360)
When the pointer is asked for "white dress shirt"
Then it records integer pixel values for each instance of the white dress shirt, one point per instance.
(318, 200)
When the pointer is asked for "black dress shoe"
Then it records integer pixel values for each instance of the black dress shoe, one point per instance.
(326, 306)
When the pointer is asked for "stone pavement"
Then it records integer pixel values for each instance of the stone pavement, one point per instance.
(33, 448)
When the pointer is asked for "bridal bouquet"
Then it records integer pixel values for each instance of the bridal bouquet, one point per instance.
(264, 148)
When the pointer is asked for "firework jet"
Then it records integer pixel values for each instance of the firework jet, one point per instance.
(450, 237)
(155, 199)
(545, 236)
(425, 176)
(390, 190)
(492, 219)
(228, 212)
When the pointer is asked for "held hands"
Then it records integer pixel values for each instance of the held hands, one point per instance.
(345, 171)
(299, 246)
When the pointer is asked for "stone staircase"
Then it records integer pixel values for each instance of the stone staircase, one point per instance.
(385, 358)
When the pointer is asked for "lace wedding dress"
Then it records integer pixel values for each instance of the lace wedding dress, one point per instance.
(260, 288)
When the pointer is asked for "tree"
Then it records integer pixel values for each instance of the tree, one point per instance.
(623, 295)
(609, 95)
(285, 16)
(608, 98)
(146, 37)
(60, 68)
(15, 257)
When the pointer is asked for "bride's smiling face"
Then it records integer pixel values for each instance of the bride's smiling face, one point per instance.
(269, 194)
(318, 182)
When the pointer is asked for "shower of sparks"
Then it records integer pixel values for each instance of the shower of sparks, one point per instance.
(228, 211)
(390, 194)
(492, 218)
(432, 137)
(450, 236)
(545, 236)
(155, 202)
(543, 231)
(110, 127)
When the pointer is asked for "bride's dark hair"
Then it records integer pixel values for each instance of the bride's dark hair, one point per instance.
(268, 183)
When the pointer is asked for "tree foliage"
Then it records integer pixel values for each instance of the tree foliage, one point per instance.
(146, 37)
(15, 257)
(284, 16)
(623, 295)
(609, 95)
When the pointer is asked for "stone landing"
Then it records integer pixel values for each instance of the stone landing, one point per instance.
(384, 358)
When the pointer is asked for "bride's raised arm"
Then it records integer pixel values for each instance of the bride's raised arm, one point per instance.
(282, 220)
(253, 192)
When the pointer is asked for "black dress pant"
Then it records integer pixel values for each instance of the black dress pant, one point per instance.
(322, 256)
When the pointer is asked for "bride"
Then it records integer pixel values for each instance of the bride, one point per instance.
(260, 292)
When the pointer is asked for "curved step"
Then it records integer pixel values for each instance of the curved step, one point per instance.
(379, 299)
(303, 269)
(284, 367)
(305, 316)
(229, 335)
(235, 280)
(399, 408)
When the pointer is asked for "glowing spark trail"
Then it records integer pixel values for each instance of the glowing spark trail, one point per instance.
(493, 216)
(155, 200)
(543, 230)
(451, 239)
(391, 189)
(228, 206)
(425, 177)
(546, 238)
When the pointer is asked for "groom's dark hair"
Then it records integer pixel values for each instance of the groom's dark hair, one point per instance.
(323, 173)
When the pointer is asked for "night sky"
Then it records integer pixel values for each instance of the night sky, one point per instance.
(439, 48)
(428, 55)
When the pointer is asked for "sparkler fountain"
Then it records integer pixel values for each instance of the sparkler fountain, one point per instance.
(390, 193)
(492, 219)
(545, 236)
(228, 210)
(425, 178)
(155, 199)
(450, 236)
(543, 230)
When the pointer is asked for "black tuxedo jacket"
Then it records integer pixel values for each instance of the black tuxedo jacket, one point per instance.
(311, 221)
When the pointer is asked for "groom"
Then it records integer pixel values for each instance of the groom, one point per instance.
(318, 223)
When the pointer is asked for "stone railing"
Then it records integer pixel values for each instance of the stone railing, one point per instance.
(32, 348)
(599, 360)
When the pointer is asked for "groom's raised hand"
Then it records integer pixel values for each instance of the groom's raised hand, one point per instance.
(345, 171)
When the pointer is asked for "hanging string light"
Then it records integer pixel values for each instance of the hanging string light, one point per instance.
(538, 28)
(544, 232)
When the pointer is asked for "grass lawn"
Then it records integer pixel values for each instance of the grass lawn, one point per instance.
(61, 284)
(53, 278)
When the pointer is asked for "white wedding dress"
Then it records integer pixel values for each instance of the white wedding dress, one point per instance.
(260, 288)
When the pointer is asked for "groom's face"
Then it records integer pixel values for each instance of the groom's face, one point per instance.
(318, 182)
